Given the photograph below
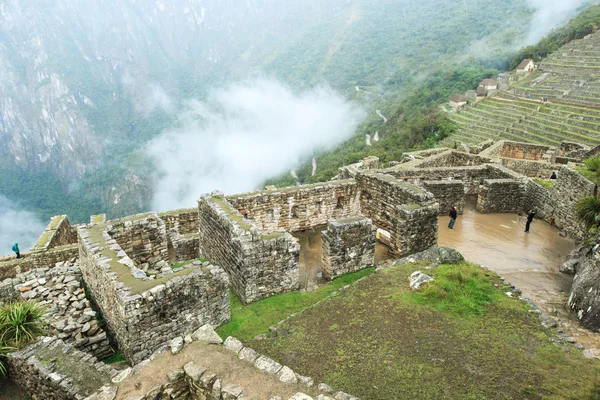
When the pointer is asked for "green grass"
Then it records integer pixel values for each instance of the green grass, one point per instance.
(459, 338)
(256, 318)
(545, 183)
(462, 289)
(592, 176)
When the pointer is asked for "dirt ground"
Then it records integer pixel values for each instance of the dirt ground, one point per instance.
(230, 369)
(10, 391)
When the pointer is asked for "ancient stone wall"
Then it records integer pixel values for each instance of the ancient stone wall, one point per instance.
(69, 314)
(380, 195)
(53, 370)
(472, 177)
(452, 158)
(299, 208)
(540, 199)
(501, 196)
(142, 313)
(58, 233)
(570, 187)
(10, 266)
(260, 264)
(527, 151)
(534, 169)
(185, 248)
(348, 246)
(144, 239)
(448, 194)
(415, 228)
(184, 222)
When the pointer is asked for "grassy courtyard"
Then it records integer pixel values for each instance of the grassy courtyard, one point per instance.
(461, 337)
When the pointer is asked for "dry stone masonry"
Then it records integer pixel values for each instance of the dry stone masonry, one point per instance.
(260, 264)
(348, 246)
(143, 313)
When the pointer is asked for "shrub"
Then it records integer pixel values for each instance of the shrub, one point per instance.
(20, 324)
(593, 163)
(587, 210)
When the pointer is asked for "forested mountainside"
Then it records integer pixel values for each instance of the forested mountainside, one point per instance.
(85, 85)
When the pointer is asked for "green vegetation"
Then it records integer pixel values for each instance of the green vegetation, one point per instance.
(20, 324)
(464, 290)
(590, 175)
(585, 23)
(593, 164)
(546, 183)
(248, 321)
(460, 337)
(115, 358)
(587, 210)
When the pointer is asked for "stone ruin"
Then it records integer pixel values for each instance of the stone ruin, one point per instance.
(144, 281)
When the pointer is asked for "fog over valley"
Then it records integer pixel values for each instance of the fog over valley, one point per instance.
(122, 107)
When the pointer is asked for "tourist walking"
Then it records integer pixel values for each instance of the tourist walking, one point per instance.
(453, 216)
(530, 217)
(15, 248)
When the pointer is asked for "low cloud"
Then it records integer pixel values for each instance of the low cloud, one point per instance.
(244, 134)
(18, 226)
(550, 14)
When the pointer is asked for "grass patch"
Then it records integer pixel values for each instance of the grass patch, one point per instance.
(256, 318)
(457, 289)
(460, 338)
(274, 235)
(545, 183)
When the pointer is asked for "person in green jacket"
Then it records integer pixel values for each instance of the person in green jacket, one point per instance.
(15, 248)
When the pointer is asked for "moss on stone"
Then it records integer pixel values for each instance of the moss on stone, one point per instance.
(274, 235)
(231, 213)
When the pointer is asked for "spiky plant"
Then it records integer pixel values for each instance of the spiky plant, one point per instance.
(20, 323)
(587, 210)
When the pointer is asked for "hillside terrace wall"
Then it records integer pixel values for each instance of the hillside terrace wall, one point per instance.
(448, 194)
(260, 264)
(144, 239)
(501, 196)
(145, 314)
(53, 370)
(348, 246)
(299, 208)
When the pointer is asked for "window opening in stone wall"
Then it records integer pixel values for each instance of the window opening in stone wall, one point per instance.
(340, 202)
(294, 212)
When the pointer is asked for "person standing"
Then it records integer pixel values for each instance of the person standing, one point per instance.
(530, 217)
(553, 176)
(15, 248)
(453, 216)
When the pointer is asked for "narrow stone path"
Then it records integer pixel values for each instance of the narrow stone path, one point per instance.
(530, 262)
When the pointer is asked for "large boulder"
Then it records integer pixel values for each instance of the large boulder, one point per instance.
(570, 267)
(584, 298)
(449, 256)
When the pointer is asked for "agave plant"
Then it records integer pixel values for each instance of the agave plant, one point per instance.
(20, 323)
(587, 210)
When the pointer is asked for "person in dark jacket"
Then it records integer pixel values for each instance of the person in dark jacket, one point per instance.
(553, 176)
(453, 216)
(530, 217)
(15, 248)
